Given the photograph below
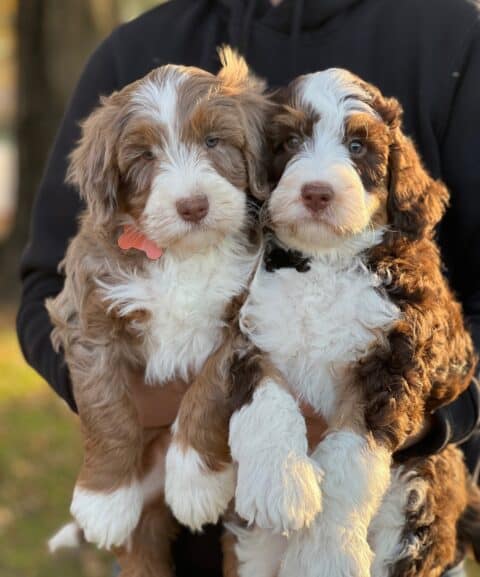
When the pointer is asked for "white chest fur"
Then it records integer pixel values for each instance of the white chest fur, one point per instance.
(314, 324)
(187, 299)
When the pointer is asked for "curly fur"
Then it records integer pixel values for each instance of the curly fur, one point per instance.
(141, 151)
(373, 376)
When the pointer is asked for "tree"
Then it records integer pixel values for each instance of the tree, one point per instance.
(54, 39)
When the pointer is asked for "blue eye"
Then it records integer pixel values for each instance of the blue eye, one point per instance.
(356, 147)
(211, 141)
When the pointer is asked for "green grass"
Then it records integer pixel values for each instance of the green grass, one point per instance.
(40, 455)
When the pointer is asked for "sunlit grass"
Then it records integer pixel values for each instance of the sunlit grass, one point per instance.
(473, 569)
(17, 379)
(40, 455)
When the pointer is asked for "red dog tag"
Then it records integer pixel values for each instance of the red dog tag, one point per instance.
(133, 238)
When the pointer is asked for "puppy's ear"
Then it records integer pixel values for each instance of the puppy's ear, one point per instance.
(93, 166)
(239, 83)
(416, 202)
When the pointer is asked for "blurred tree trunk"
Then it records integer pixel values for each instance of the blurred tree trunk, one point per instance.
(53, 42)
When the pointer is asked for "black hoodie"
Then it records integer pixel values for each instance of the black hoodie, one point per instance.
(424, 52)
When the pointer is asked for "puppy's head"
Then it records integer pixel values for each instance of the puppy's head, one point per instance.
(178, 152)
(341, 166)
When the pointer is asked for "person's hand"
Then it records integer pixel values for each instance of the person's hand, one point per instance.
(157, 406)
(316, 425)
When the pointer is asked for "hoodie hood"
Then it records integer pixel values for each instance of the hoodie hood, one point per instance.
(314, 13)
(291, 17)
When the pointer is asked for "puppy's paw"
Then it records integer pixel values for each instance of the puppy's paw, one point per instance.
(196, 495)
(281, 494)
(107, 519)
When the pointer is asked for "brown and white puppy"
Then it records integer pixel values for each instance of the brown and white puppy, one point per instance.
(352, 308)
(173, 156)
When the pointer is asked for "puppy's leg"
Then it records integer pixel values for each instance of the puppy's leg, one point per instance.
(200, 479)
(278, 485)
(251, 552)
(149, 552)
(414, 532)
(107, 500)
(230, 561)
(356, 475)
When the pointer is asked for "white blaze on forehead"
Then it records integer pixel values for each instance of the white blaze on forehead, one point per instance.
(158, 96)
(334, 94)
(158, 99)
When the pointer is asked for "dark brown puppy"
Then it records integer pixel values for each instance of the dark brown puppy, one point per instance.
(369, 334)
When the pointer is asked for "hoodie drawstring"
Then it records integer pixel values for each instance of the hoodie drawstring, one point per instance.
(241, 18)
(295, 31)
(247, 24)
(209, 57)
(235, 23)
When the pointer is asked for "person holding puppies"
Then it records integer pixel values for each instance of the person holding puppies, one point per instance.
(424, 52)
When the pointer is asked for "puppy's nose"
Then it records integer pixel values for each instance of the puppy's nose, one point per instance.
(193, 208)
(316, 196)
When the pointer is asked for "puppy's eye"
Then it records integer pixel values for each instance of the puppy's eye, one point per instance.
(211, 141)
(148, 155)
(356, 147)
(293, 143)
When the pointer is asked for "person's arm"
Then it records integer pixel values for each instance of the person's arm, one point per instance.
(54, 222)
(460, 231)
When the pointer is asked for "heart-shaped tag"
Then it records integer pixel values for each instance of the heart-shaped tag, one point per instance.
(133, 238)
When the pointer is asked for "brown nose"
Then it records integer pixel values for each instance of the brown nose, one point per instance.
(193, 208)
(316, 196)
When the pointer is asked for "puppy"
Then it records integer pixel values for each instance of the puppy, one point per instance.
(153, 282)
(351, 307)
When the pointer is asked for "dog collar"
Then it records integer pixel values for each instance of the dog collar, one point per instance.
(276, 256)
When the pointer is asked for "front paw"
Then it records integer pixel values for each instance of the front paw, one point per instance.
(282, 494)
(195, 494)
(107, 519)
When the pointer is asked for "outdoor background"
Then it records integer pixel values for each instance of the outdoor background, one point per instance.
(43, 46)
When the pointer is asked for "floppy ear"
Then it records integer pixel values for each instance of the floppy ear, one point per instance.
(416, 202)
(93, 167)
(248, 90)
